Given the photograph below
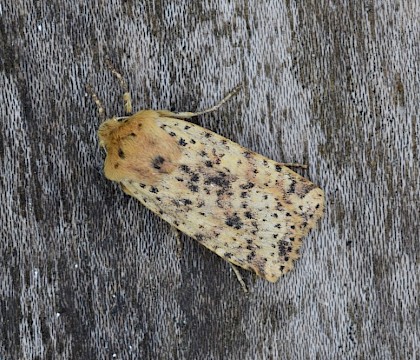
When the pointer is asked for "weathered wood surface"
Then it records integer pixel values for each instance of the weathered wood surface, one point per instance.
(87, 273)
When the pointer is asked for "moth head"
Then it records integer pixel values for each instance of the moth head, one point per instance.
(108, 130)
(137, 148)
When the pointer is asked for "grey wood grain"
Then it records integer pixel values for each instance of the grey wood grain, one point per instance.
(87, 273)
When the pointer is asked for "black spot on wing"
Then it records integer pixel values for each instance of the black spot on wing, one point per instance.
(219, 180)
(292, 187)
(193, 188)
(249, 215)
(157, 162)
(185, 168)
(283, 245)
(199, 237)
(247, 186)
(234, 221)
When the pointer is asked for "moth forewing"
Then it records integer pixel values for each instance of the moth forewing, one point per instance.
(248, 209)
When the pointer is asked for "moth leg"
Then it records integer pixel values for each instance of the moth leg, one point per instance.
(239, 277)
(187, 115)
(124, 188)
(126, 95)
(302, 166)
(98, 102)
(179, 243)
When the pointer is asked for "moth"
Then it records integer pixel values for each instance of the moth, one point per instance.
(250, 210)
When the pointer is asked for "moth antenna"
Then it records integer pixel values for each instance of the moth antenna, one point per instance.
(98, 102)
(179, 244)
(239, 277)
(128, 109)
(187, 115)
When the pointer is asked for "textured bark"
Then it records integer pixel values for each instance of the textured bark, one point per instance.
(88, 273)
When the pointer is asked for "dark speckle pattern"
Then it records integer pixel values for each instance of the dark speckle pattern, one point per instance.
(234, 221)
(248, 209)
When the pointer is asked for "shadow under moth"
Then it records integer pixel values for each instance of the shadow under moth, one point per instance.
(248, 209)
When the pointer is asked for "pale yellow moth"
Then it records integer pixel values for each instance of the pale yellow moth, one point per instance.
(248, 209)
